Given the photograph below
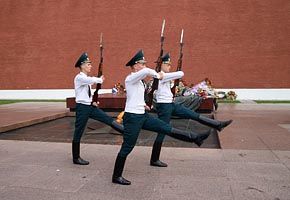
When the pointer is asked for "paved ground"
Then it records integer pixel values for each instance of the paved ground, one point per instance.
(254, 162)
(19, 115)
(62, 130)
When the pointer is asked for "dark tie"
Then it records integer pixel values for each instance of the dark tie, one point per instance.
(89, 91)
(144, 84)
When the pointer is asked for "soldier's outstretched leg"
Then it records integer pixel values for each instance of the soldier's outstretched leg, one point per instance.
(117, 126)
(189, 136)
(156, 125)
(219, 125)
(185, 113)
(118, 170)
(100, 115)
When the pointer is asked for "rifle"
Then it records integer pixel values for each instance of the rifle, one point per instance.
(158, 69)
(174, 89)
(100, 70)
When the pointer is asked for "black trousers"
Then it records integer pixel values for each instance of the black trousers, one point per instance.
(83, 113)
(166, 110)
(133, 123)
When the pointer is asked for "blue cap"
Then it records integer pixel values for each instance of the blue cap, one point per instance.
(83, 59)
(138, 58)
(166, 59)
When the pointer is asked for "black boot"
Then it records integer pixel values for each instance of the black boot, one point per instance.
(219, 125)
(118, 170)
(215, 103)
(76, 154)
(154, 161)
(189, 136)
(118, 127)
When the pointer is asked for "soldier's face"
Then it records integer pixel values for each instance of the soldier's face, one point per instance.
(166, 67)
(86, 68)
(139, 66)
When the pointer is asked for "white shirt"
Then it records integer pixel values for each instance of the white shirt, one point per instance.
(163, 93)
(135, 90)
(82, 84)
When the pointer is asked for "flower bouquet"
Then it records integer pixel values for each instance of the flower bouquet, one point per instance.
(118, 88)
(204, 89)
(231, 95)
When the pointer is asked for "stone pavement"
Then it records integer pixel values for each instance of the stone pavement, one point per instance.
(255, 126)
(19, 115)
(254, 163)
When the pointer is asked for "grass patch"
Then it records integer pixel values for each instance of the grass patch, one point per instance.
(272, 101)
(32, 100)
(228, 101)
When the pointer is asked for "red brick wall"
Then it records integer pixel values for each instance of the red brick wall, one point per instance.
(237, 44)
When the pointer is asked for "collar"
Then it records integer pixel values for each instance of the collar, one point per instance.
(82, 73)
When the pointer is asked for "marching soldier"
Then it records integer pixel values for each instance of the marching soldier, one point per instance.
(166, 107)
(136, 118)
(85, 109)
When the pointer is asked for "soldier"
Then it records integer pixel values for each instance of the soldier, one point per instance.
(85, 109)
(166, 107)
(136, 118)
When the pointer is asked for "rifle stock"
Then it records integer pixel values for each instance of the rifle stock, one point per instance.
(155, 82)
(174, 89)
(100, 72)
(99, 85)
